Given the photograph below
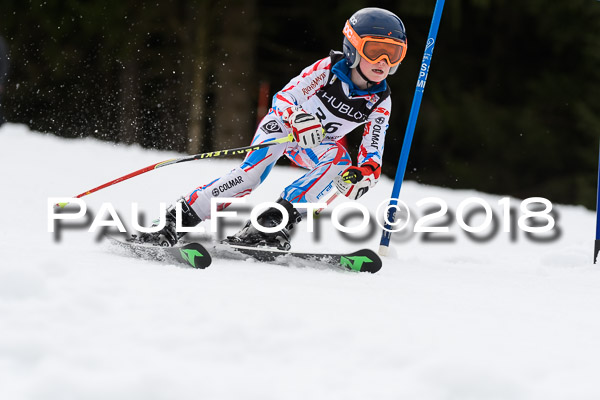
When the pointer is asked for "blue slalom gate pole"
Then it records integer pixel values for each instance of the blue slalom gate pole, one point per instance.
(597, 243)
(410, 128)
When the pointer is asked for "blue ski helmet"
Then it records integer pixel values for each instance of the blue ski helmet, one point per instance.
(373, 22)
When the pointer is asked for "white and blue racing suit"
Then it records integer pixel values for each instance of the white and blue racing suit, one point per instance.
(325, 90)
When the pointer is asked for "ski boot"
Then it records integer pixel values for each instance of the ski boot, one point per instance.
(252, 237)
(168, 236)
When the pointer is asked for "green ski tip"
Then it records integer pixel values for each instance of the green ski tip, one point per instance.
(195, 255)
(190, 255)
(354, 262)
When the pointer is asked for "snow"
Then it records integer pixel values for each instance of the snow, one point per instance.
(463, 320)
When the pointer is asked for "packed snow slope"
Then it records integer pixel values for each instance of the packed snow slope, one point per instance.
(502, 318)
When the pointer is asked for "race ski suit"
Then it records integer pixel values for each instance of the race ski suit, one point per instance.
(325, 90)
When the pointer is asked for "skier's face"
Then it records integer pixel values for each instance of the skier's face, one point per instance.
(375, 72)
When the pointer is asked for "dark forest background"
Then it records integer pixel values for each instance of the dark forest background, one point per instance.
(511, 104)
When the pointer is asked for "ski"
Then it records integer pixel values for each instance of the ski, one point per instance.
(190, 254)
(197, 256)
(363, 260)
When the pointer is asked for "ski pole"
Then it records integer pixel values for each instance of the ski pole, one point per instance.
(330, 200)
(386, 235)
(211, 154)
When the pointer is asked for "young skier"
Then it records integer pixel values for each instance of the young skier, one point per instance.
(320, 106)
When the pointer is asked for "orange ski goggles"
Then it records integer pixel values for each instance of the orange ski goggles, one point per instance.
(376, 48)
